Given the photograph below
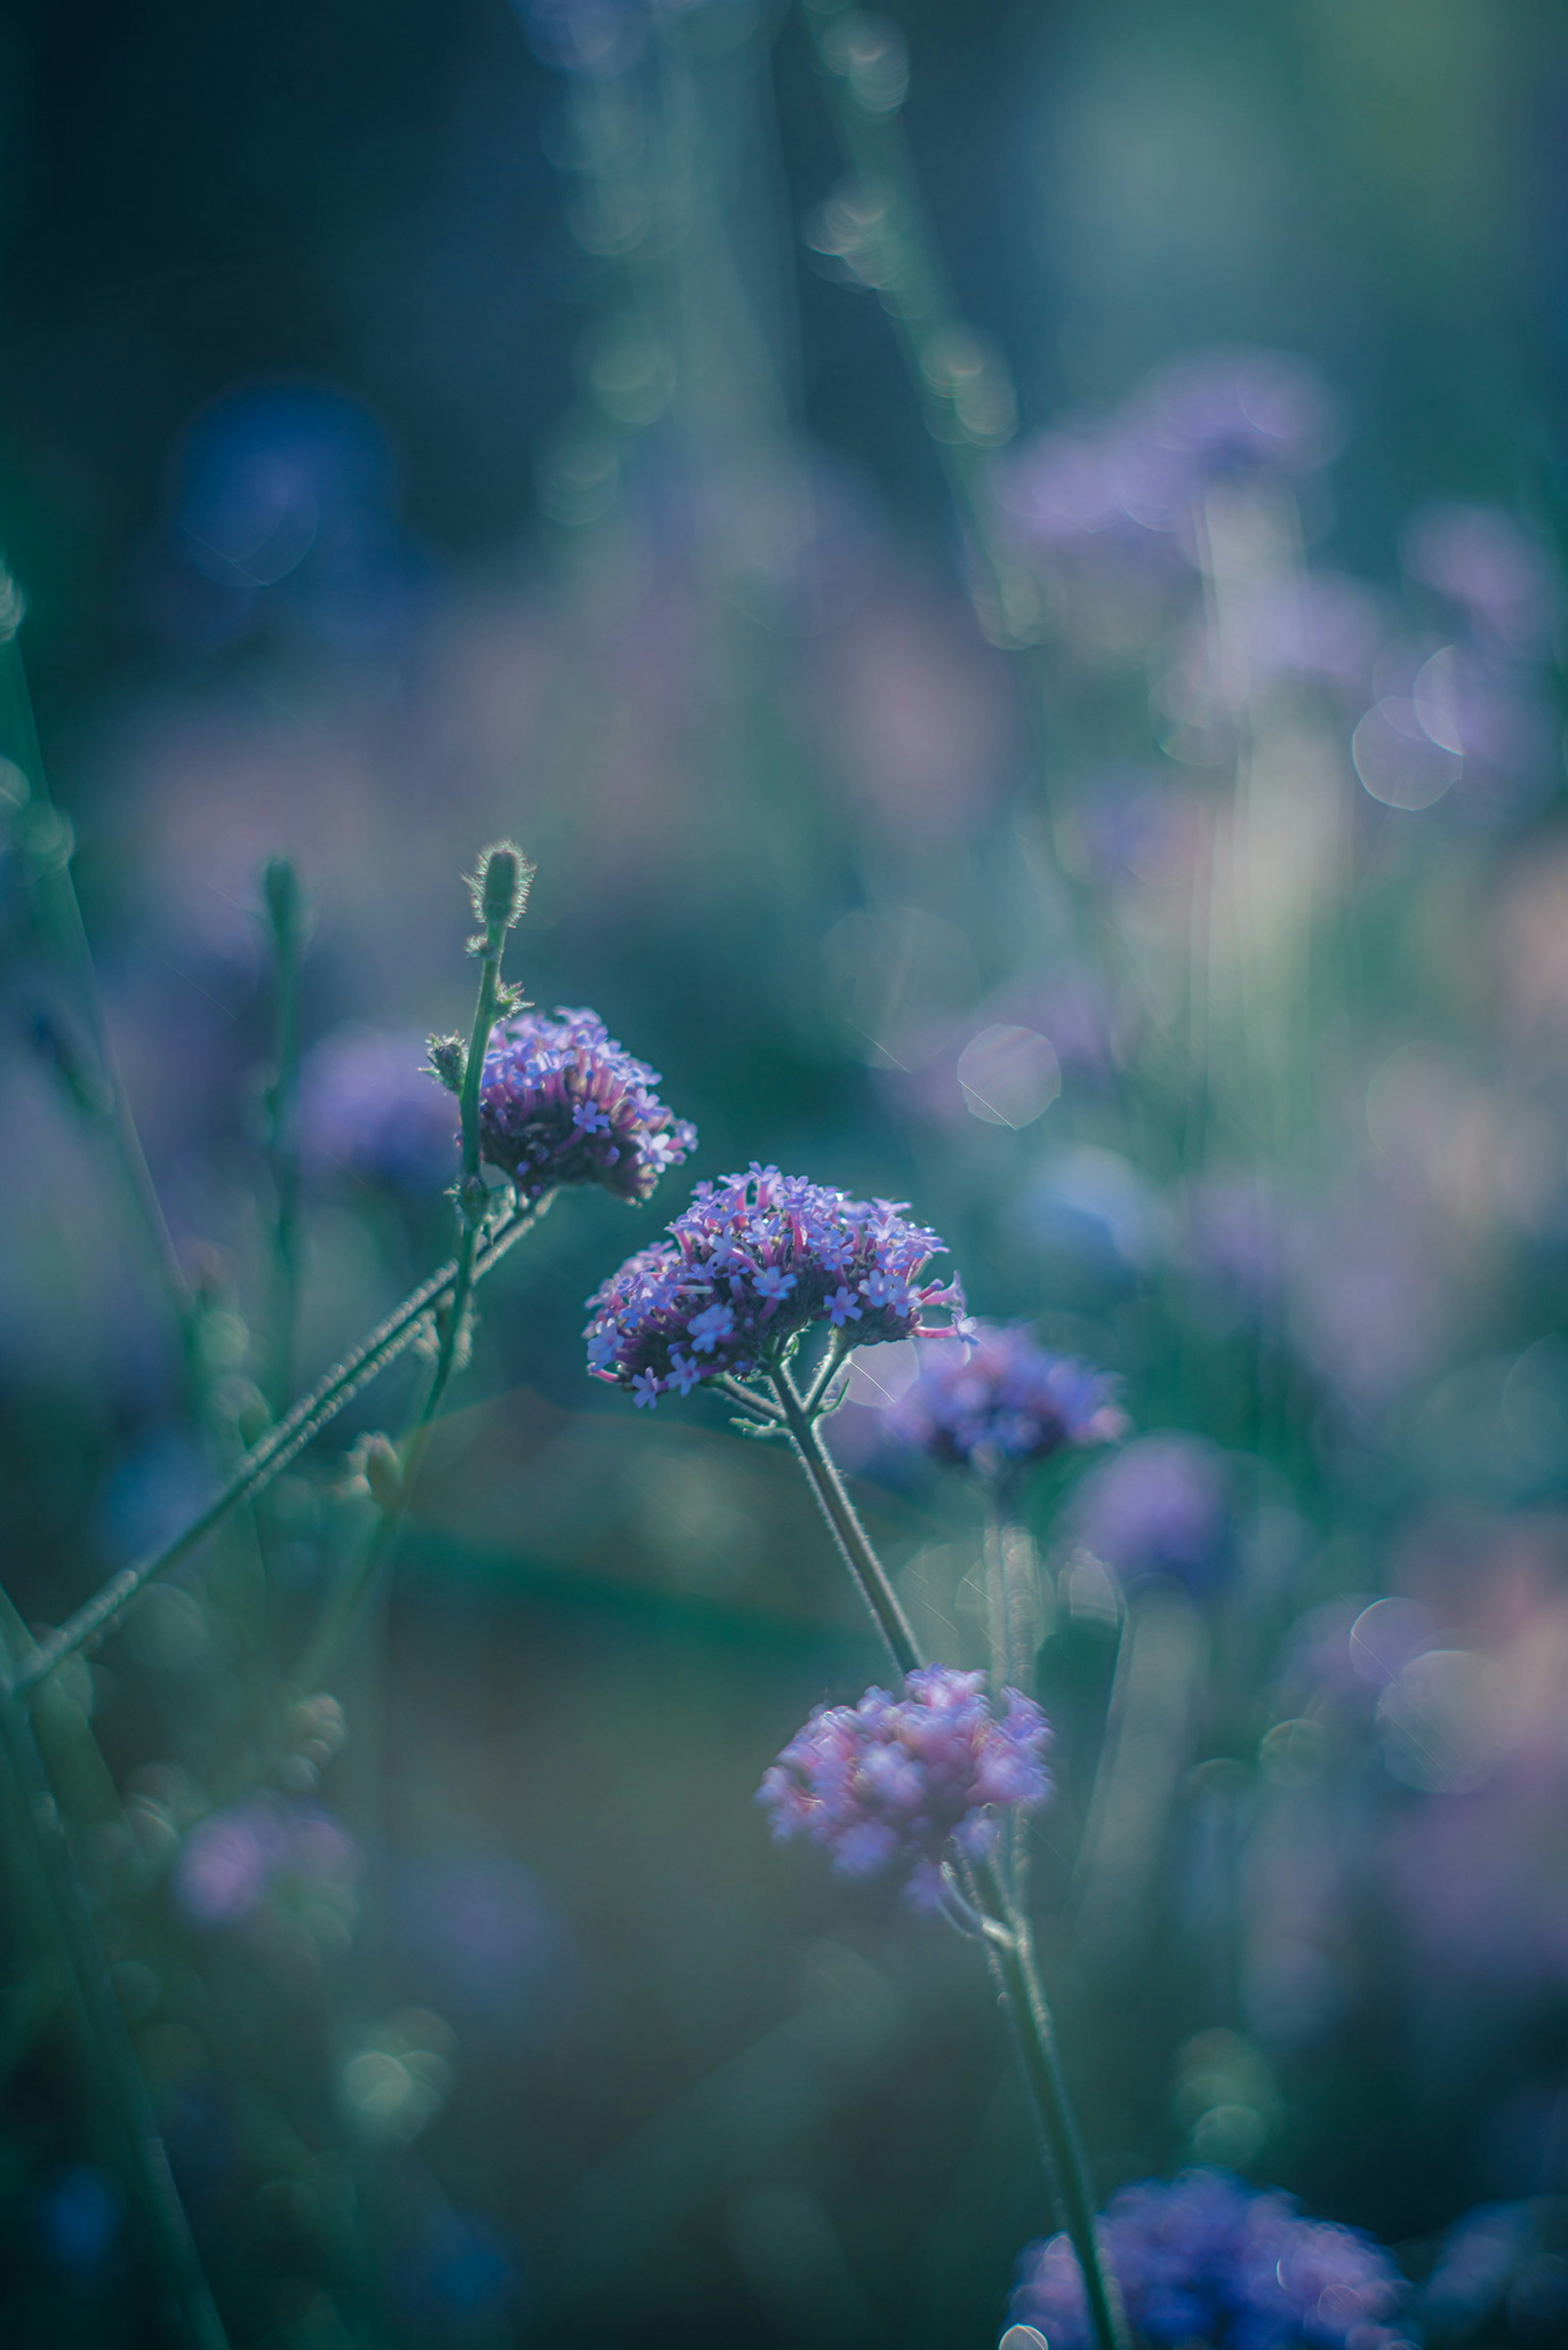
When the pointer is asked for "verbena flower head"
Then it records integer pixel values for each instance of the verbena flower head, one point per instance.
(1205, 2259)
(1002, 1401)
(369, 1110)
(756, 1259)
(560, 1102)
(1161, 1507)
(909, 1782)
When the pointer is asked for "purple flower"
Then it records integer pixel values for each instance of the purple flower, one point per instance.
(370, 1109)
(1501, 577)
(1203, 2258)
(232, 1861)
(911, 1781)
(756, 1259)
(1161, 1507)
(1002, 1402)
(560, 1102)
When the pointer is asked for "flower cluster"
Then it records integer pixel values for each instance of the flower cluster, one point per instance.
(369, 1109)
(560, 1102)
(907, 1780)
(1204, 2258)
(1161, 1507)
(755, 1260)
(1003, 1402)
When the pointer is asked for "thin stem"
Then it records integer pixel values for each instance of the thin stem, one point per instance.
(115, 2067)
(738, 1392)
(869, 1574)
(1009, 1950)
(274, 1451)
(46, 838)
(1011, 1956)
(499, 907)
(281, 893)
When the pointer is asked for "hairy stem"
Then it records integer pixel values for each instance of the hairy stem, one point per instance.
(364, 1570)
(870, 1576)
(276, 1451)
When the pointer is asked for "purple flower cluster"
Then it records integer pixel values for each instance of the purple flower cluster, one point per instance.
(1002, 1402)
(1161, 1507)
(1204, 2258)
(370, 1109)
(907, 1780)
(560, 1102)
(1209, 417)
(755, 1260)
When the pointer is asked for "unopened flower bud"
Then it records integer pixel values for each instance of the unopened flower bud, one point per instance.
(375, 1460)
(500, 886)
(281, 897)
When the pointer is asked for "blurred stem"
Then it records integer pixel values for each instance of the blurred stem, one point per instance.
(913, 288)
(114, 2068)
(1007, 1939)
(276, 1451)
(286, 932)
(46, 839)
(364, 1569)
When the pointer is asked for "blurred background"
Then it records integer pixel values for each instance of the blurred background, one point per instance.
(1007, 564)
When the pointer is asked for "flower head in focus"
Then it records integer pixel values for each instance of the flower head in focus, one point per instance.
(1002, 1401)
(560, 1102)
(909, 1781)
(1161, 1507)
(755, 1261)
(369, 1109)
(1204, 2258)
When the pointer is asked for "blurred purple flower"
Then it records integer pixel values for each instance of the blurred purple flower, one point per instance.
(907, 1780)
(371, 1108)
(1208, 417)
(231, 1860)
(1002, 1401)
(1161, 1507)
(756, 1259)
(1231, 414)
(1203, 2258)
(1503, 579)
(1474, 2268)
(560, 1102)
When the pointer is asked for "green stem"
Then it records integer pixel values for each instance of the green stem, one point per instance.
(365, 1568)
(115, 2067)
(46, 836)
(870, 1576)
(276, 1451)
(1008, 1944)
(1010, 1955)
(280, 890)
